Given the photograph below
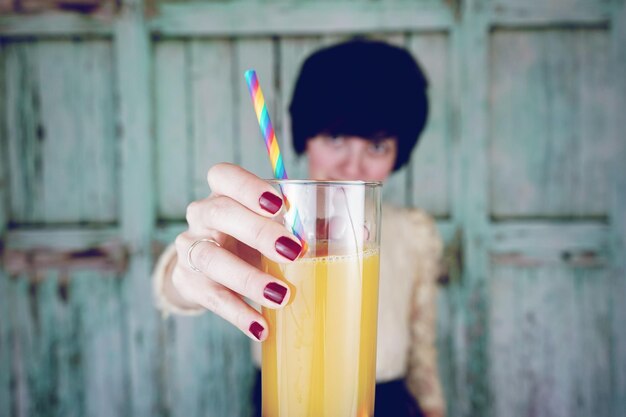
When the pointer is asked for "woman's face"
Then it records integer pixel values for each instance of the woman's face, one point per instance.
(350, 158)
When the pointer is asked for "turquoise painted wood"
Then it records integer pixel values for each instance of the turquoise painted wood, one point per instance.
(107, 129)
(48, 184)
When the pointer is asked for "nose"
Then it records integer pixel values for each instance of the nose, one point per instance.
(353, 167)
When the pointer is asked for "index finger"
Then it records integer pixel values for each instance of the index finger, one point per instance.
(243, 186)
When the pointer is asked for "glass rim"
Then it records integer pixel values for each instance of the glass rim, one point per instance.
(326, 182)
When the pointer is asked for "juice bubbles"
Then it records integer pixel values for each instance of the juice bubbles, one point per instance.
(320, 357)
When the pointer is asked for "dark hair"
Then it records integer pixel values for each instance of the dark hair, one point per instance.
(361, 88)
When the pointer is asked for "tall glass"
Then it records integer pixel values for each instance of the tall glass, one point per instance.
(320, 357)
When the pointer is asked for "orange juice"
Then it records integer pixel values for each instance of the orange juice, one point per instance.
(320, 357)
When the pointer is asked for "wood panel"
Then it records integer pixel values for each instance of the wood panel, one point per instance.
(550, 344)
(618, 206)
(301, 18)
(258, 54)
(471, 391)
(523, 87)
(100, 311)
(66, 344)
(538, 14)
(5, 327)
(207, 369)
(173, 128)
(77, 138)
(548, 139)
(22, 118)
(6, 359)
(214, 135)
(431, 161)
(53, 24)
(138, 211)
(4, 170)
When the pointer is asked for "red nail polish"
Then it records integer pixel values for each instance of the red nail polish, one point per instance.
(270, 202)
(256, 329)
(288, 248)
(275, 292)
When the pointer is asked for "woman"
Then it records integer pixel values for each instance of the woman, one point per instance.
(357, 112)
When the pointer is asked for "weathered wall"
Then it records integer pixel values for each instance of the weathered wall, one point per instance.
(109, 121)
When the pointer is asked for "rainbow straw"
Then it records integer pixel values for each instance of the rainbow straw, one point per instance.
(265, 124)
(271, 143)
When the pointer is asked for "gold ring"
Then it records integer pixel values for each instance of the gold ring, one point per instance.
(193, 245)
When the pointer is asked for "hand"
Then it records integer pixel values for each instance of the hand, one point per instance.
(238, 216)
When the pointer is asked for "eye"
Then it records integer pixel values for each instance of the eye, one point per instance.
(380, 147)
(335, 141)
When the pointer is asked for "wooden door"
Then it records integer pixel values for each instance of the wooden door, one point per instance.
(108, 126)
(543, 213)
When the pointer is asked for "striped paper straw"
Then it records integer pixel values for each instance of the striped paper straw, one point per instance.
(271, 143)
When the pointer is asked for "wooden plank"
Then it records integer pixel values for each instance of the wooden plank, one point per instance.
(96, 129)
(78, 175)
(473, 389)
(132, 49)
(446, 313)
(548, 14)
(549, 236)
(292, 53)
(450, 333)
(58, 349)
(549, 143)
(6, 348)
(4, 163)
(447, 229)
(543, 321)
(97, 305)
(53, 24)
(209, 368)
(166, 233)
(23, 303)
(66, 334)
(6, 329)
(59, 138)
(214, 133)
(593, 288)
(22, 121)
(618, 353)
(431, 187)
(450, 322)
(395, 188)
(617, 213)
(257, 54)
(40, 352)
(173, 128)
(193, 19)
(65, 239)
(21, 342)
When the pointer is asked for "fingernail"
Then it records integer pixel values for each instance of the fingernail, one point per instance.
(270, 202)
(275, 292)
(256, 329)
(288, 248)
